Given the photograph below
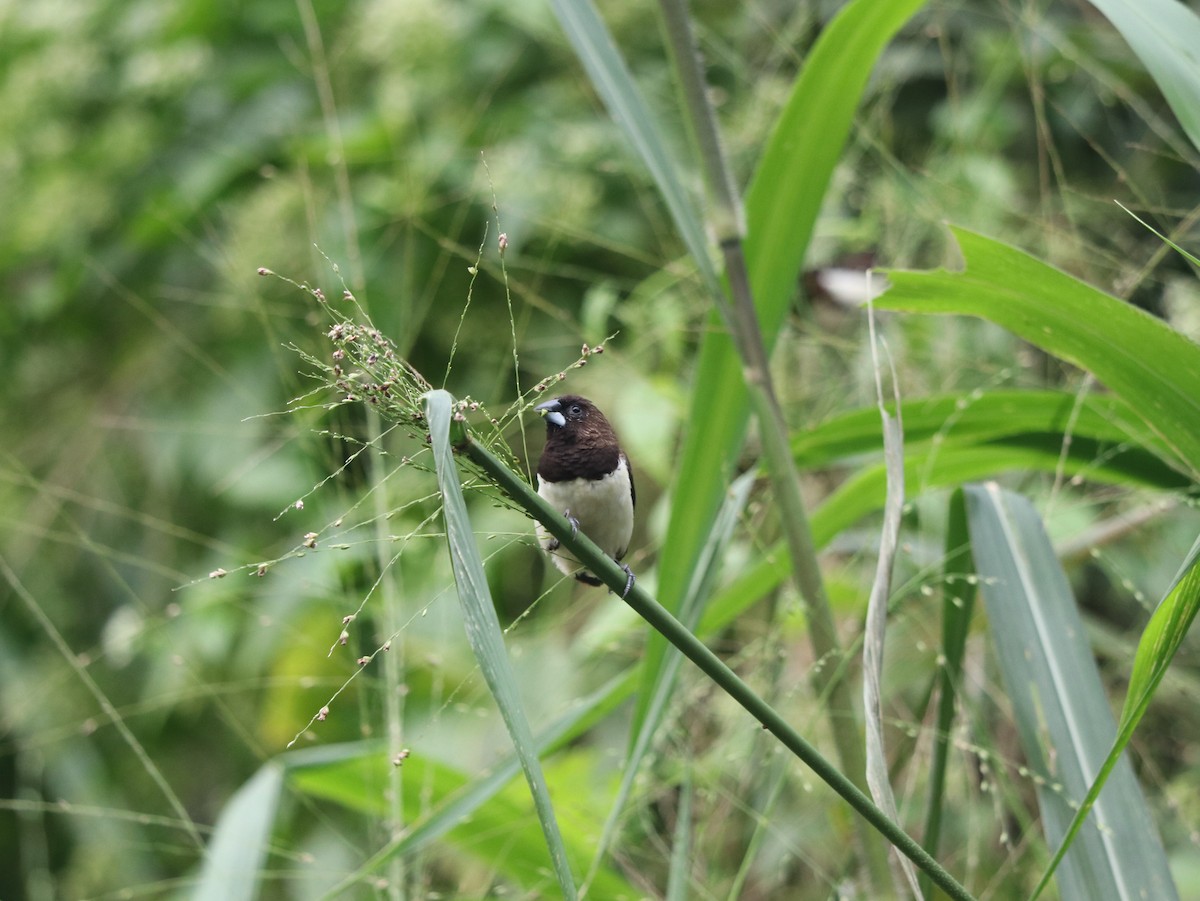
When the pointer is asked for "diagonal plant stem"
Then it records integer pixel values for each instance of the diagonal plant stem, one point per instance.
(695, 650)
(728, 223)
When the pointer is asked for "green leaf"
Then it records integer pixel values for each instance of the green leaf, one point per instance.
(1021, 431)
(1062, 714)
(875, 626)
(486, 817)
(1161, 639)
(1153, 368)
(234, 862)
(1165, 35)
(781, 208)
(958, 605)
(1016, 416)
(610, 76)
(483, 629)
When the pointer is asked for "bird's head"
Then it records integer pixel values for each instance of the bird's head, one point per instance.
(574, 418)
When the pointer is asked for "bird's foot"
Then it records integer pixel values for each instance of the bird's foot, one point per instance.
(628, 580)
(573, 521)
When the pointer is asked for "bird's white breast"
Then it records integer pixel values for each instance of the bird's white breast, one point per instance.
(603, 508)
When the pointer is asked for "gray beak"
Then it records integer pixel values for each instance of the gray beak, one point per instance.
(550, 411)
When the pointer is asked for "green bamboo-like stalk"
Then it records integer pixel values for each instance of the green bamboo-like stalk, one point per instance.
(695, 650)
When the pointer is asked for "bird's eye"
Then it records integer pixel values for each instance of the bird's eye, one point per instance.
(576, 410)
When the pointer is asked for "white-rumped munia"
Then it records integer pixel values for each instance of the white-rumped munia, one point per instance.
(584, 474)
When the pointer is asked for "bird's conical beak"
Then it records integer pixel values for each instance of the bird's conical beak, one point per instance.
(551, 412)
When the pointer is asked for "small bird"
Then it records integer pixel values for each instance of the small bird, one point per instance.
(584, 474)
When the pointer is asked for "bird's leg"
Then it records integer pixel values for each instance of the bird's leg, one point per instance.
(573, 521)
(628, 580)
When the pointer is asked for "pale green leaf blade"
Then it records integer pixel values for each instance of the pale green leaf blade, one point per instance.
(1062, 715)
(875, 629)
(1153, 368)
(613, 82)
(483, 629)
(1165, 35)
(234, 861)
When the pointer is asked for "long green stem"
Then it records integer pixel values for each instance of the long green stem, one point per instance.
(393, 663)
(696, 651)
(726, 220)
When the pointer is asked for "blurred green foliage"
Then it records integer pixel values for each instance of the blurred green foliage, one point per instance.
(156, 154)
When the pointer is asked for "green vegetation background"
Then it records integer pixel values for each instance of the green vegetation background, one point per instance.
(155, 155)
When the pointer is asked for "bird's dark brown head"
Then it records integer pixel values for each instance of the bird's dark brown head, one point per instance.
(580, 443)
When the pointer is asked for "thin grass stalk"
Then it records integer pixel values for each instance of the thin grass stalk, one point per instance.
(393, 661)
(726, 220)
(958, 601)
(607, 569)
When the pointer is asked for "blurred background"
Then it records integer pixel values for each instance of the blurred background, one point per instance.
(157, 153)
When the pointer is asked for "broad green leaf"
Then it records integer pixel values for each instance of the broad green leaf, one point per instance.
(234, 861)
(1161, 639)
(1164, 34)
(931, 468)
(1102, 420)
(1153, 368)
(782, 204)
(486, 818)
(484, 632)
(1062, 715)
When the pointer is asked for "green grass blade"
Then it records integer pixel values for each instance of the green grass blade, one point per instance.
(679, 882)
(1164, 34)
(611, 78)
(782, 205)
(1156, 649)
(1062, 714)
(235, 857)
(1164, 633)
(1153, 368)
(1190, 257)
(663, 689)
(484, 633)
(958, 605)
(875, 627)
